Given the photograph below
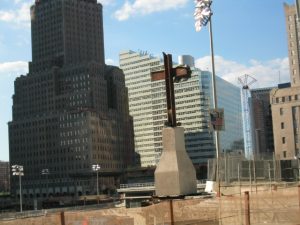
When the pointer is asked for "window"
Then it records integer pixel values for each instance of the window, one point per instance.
(282, 125)
(281, 111)
(284, 154)
(283, 140)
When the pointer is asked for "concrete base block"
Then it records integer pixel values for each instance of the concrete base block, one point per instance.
(175, 173)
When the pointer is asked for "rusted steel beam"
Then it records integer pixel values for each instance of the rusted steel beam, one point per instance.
(180, 72)
(171, 75)
(158, 75)
(170, 90)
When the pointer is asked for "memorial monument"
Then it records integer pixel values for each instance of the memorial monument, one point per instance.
(175, 174)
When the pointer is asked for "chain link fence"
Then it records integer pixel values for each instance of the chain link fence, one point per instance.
(265, 168)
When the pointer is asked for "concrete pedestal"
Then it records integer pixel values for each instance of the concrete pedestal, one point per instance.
(175, 173)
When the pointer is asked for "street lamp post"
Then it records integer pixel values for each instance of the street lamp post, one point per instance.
(202, 15)
(18, 170)
(96, 167)
(46, 173)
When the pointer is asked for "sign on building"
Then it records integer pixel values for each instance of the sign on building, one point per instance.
(217, 119)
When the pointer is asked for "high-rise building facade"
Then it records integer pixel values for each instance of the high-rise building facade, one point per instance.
(137, 67)
(261, 121)
(229, 98)
(286, 121)
(4, 177)
(293, 31)
(147, 105)
(285, 100)
(71, 110)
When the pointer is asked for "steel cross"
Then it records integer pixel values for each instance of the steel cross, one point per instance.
(171, 75)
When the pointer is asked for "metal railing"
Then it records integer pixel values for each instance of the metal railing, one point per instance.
(148, 184)
(137, 185)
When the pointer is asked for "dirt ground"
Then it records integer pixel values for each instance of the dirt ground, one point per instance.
(267, 207)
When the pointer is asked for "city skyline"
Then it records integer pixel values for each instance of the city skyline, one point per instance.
(238, 50)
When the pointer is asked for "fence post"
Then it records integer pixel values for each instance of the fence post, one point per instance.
(247, 208)
(299, 194)
(250, 176)
(274, 166)
(171, 212)
(270, 181)
(239, 178)
(62, 218)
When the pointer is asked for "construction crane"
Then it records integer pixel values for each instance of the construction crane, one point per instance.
(246, 80)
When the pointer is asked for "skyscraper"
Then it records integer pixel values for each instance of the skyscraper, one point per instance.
(285, 100)
(147, 105)
(261, 121)
(293, 29)
(229, 98)
(71, 110)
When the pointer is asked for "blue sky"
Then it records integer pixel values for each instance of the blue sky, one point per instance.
(249, 38)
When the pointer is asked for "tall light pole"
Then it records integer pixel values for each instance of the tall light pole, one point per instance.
(46, 173)
(96, 167)
(202, 15)
(18, 170)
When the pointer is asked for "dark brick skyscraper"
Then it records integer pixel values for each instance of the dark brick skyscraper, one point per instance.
(261, 116)
(71, 110)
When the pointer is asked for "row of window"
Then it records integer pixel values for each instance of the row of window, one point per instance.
(286, 98)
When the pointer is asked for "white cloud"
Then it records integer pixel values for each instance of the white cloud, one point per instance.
(106, 2)
(17, 68)
(19, 17)
(266, 73)
(144, 7)
(110, 62)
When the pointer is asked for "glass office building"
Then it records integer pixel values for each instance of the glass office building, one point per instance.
(147, 106)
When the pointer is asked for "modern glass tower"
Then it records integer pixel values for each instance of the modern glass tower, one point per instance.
(147, 105)
(71, 110)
